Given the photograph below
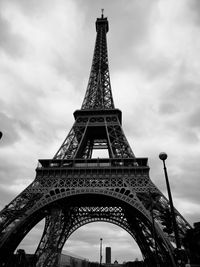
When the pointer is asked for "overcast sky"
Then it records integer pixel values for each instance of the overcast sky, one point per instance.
(46, 49)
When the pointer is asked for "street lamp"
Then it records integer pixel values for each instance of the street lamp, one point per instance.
(163, 157)
(100, 252)
(154, 229)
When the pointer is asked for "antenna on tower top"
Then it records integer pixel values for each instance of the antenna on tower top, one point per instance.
(102, 10)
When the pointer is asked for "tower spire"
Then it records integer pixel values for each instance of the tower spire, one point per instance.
(98, 94)
(97, 110)
(102, 10)
(78, 186)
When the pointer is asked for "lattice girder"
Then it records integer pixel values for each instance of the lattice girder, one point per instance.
(48, 253)
(157, 203)
(88, 130)
(118, 180)
(80, 216)
(98, 94)
(122, 181)
(70, 145)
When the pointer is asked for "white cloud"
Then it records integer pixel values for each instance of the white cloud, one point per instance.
(46, 50)
(88, 237)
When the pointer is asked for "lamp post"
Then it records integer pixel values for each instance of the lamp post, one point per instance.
(163, 157)
(154, 228)
(100, 252)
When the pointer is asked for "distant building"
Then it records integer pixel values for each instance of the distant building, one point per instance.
(71, 261)
(135, 263)
(21, 259)
(108, 255)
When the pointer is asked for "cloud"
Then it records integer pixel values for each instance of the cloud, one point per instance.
(194, 6)
(46, 52)
(193, 120)
(32, 239)
(10, 42)
(6, 197)
(88, 237)
(8, 127)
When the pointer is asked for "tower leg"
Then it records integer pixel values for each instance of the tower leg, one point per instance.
(56, 231)
(50, 247)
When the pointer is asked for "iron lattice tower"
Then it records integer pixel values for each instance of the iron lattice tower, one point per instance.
(74, 188)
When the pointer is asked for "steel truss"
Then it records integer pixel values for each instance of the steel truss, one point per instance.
(74, 189)
(95, 132)
(98, 94)
(124, 181)
(75, 217)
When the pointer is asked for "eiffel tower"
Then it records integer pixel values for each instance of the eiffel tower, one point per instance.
(75, 188)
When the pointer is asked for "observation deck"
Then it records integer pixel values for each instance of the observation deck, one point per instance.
(94, 165)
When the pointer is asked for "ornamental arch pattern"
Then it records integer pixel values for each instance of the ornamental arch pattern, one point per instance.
(122, 180)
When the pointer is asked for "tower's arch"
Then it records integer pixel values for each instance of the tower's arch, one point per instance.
(73, 188)
(80, 207)
(88, 240)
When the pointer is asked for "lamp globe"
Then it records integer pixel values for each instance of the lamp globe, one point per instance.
(163, 156)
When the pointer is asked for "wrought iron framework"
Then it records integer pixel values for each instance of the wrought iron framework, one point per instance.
(98, 94)
(118, 187)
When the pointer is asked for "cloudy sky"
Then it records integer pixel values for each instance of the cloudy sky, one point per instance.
(46, 50)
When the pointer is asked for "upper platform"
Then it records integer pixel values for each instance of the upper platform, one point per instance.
(103, 112)
(97, 163)
(102, 22)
